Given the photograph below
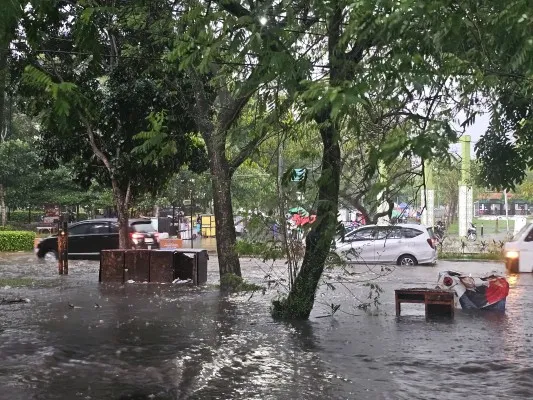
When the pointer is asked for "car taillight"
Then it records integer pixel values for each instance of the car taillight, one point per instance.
(156, 235)
(137, 235)
(447, 281)
(431, 244)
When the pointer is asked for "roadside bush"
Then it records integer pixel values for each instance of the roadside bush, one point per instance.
(16, 241)
(6, 228)
(22, 216)
(267, 250)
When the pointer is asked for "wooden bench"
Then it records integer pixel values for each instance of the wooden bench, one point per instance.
(437, 302)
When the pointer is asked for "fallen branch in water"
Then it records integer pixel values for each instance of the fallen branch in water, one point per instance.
(13, 301)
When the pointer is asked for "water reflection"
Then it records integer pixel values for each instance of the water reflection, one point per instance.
(165, 342)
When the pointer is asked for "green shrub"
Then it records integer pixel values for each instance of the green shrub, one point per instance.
(270, 250)
(22, 216)
(6, 228)
(234, 283)
(16, 241)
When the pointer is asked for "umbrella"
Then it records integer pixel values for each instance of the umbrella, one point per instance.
(395, 213)
(302, 220)
(299, 210)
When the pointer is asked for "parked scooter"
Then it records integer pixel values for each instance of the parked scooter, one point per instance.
(483, 293)
(471, 233)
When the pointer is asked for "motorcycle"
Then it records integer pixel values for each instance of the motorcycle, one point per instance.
(439, 229)
(487, 293)
(471, 233)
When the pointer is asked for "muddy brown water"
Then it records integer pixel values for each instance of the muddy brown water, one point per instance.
(77, 339)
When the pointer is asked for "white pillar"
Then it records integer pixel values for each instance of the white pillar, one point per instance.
(384, 206)
(469, 205)
(428, 213)
(466, 209)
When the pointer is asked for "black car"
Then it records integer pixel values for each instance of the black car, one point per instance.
(87, 238)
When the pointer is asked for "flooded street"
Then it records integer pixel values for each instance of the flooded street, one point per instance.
(79, 339)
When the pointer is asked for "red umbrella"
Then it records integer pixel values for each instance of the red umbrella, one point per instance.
(300, 220)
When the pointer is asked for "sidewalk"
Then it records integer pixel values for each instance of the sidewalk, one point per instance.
(209, 244)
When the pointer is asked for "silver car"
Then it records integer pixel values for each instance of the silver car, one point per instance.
(401, 244)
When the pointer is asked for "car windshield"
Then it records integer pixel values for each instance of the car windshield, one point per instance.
(143, 227)
(521, 232)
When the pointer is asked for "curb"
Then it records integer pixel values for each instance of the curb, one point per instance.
(468, 260)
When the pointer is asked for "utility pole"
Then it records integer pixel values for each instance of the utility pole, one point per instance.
(506, 209)
(62, 247)
(192, 209)
(428, 197)
(465, 190)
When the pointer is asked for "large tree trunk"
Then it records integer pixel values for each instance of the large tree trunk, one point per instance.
(121, 198)
(3, 204)
(228, 260)
(3, 84)
(299, 303)
(301, 298)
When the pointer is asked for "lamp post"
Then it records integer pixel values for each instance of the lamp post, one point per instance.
(192, 224)
(192, 215)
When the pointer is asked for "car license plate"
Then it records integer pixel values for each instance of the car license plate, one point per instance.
(149, 240)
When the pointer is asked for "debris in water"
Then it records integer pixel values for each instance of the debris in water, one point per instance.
(130, 281)
(178, 281)
(96, 305)
(13, 301)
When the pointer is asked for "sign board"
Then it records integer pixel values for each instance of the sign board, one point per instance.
(170, 243)
(299, 174)
(51, 220)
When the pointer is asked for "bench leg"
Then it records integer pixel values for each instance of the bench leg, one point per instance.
(398, 307)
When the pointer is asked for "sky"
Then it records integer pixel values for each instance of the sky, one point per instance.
(475, 131)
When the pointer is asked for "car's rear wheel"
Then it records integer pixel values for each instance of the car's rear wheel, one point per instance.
(50, 255)
(407, 260)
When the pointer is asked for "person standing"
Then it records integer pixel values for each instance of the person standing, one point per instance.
(199, 224)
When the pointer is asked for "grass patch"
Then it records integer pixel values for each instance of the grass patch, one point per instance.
(471, 256)
(16, 282)
(234, 283)
(489, 226)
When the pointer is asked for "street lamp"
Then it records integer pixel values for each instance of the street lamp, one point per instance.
(192, 209)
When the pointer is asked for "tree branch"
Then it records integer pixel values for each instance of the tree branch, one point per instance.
(97, 152)
(245, 153)
(202, 113)
(271, 119)
(233, 7)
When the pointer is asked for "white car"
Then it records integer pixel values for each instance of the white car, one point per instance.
(402, 244)
(519, 252)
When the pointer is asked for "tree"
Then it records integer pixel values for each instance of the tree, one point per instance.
(500, 58)
(17, 167)
(231, 56)
(525, 189)
(373, 46)
(381, 157)
(97, 89)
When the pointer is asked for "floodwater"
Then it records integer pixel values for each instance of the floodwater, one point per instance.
(77, 339)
